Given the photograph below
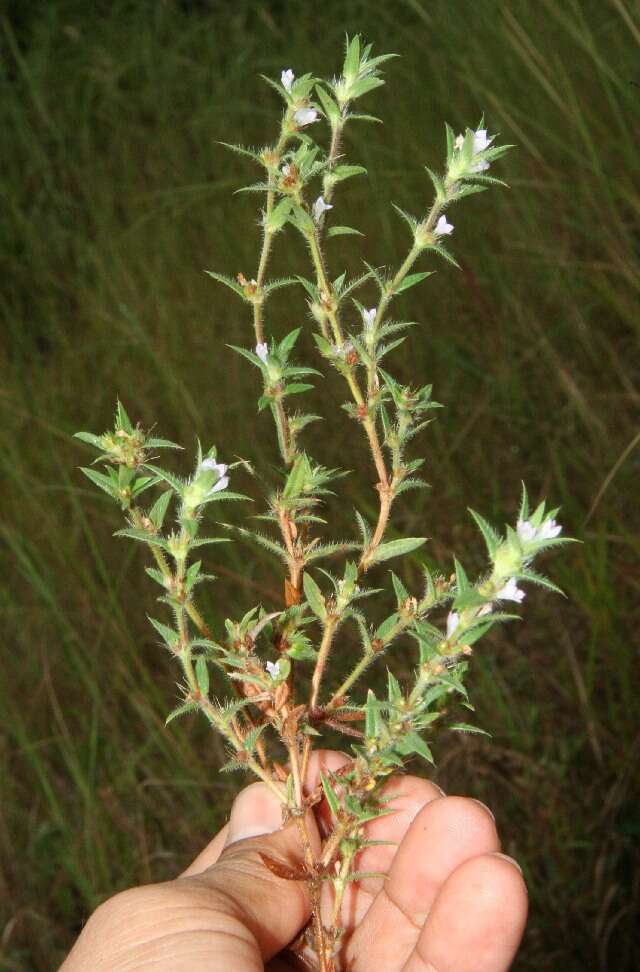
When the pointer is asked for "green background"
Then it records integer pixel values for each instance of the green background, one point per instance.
(115, 198)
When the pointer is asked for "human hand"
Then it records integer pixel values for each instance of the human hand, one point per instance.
(450, 901)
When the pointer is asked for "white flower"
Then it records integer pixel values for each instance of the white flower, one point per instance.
(453, 620)
(546, 531)
(221, 470)
(262, 350)
(287, 78)
(305, 116)
(511, 592)
(480, 143)
(369, 316)
(319, 207)
(480, 140)
(273, 669)
(442, 227)
(286, 169)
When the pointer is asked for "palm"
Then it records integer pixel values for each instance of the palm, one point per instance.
(444, 890)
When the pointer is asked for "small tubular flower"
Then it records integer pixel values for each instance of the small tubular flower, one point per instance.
(273, 668)
(511, 592)
(443, 228)
(305, 116)
(453, 620)
(546, 531)
(221, 469)
(368, 317)
(262, 351)
(286, 79)
(320, 207)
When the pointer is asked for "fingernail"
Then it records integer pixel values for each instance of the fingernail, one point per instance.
(505, 857)
(484, 807)
(255, 813)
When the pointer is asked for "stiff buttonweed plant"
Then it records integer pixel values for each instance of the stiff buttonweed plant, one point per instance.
(275, 661)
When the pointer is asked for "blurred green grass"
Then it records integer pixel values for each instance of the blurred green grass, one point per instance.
(116, 197)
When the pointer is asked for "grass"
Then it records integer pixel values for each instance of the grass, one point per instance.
(116, 198)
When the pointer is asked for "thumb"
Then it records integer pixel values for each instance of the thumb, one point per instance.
(272, 908)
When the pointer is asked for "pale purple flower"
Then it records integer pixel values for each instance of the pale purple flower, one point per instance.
(287, 78)
(511, 592)
(319, 207)
(273, 668)
(480, 166)
(546, 531)
(305, 116)
(262, 350)
(453, 620)
(286, 169)
(443, 228)
(221, 469)
(369, 316)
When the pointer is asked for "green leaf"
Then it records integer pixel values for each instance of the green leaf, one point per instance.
(156, 575)
(412, 279)
(102, 481)
(444, 253)
(462, 581)
(314, 597)
(342, 172)
(288, 342)
(202, 675)
(259, 538)
(438, 185)
(158, 511)
(181, 710)
(171, 480)
(161, 444)
(396, 548)
(364, 86)
(329, 106)
(400, 590)
(343, 231)
(411, 743)
(297, 388)
(410, 220)
(122, 419)
(228, 282)
(387, 626)
(373, 719)
(143, 536)
(168, 635)
(94, 440)
(352, 58)
(330, 795)
(465, 727)
(252, 737)
(241, 150)
(491, 537)
(203, 541)
(393, 687)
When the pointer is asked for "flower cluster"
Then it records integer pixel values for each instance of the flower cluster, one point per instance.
(279, 656)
